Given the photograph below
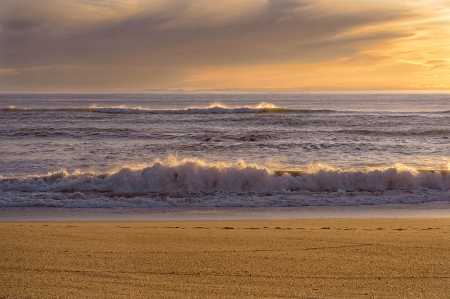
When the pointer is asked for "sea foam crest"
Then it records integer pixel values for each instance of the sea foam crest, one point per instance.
(194, 175)
(216, 108)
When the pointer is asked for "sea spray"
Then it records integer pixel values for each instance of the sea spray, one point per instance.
(215, 108)
(172, 175)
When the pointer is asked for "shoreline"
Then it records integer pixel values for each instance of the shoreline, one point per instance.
(56, 214)
(337, 258)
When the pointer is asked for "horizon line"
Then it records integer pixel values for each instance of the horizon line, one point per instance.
(223, 91)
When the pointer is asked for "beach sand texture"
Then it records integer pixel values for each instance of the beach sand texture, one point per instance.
(360, 258)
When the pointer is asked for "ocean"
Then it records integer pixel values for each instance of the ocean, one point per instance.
(220, 150)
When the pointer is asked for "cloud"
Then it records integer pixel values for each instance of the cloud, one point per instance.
(115, 38)
(182, 33)
(8, 72)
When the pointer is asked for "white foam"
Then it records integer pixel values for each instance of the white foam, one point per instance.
(215, 108)
(194, 175)
(196, 183)
(221, 199)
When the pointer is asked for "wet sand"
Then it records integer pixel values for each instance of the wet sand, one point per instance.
(348, 258)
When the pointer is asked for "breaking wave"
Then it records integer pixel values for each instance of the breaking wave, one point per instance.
(193, 182)
(215, 108)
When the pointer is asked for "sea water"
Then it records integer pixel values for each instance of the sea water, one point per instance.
(223, 150)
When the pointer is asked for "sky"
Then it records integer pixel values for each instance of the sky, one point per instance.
(230, 45)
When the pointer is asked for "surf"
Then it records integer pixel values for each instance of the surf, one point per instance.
(195, 175)
(215, 108)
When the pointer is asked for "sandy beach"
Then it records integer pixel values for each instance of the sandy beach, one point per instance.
(348, 258)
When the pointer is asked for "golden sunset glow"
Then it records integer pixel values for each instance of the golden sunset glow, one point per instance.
(65, 45)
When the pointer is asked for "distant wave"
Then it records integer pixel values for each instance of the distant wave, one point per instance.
(12, 108)
(215, 108)
(415, 132)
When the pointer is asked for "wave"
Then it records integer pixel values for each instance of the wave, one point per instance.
(173, 175)
(215, 108)
(14, 109)
(415, 132)
(193, 182)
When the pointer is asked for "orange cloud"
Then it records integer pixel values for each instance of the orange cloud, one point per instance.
(204, 45)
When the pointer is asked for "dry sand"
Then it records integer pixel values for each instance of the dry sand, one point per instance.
(365, 258)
